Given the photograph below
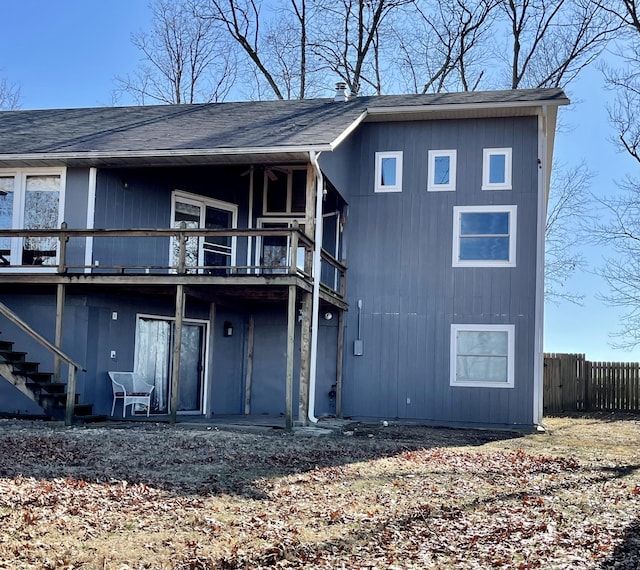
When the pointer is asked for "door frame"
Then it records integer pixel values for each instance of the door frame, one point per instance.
(203, 202)
(205, 357)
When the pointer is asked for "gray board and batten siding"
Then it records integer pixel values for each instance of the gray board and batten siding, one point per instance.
(400, 266)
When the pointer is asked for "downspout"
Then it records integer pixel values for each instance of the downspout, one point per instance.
(317, 259)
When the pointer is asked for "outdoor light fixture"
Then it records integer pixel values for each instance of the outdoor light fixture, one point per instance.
(328, 316)
(228, 329)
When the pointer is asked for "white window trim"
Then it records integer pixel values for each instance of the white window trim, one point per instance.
(431, 183)
(509, 329)
(288, 170)
(260, 223)
(487, 153)
(199, 200)
(513, 233)
(20, 175)
(397, 187)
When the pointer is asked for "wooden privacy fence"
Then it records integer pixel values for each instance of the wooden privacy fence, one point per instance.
(572, 383)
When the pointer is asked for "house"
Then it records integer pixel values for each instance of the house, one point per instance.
(125, 229)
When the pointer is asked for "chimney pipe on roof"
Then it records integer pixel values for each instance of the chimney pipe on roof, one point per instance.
(341, 92)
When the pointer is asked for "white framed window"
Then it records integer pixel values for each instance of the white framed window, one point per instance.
(31, 199)
(442, 171)
(484, 236)
(388, 171)
(272, 252)
(213, 255)
(496, 169)
(482, 356)
(284, 190)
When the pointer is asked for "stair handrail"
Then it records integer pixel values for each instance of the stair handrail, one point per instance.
(73, 365)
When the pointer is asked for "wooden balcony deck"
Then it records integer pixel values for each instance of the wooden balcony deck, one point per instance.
(230, 283)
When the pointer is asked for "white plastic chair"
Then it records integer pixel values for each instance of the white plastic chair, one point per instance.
(131, 389)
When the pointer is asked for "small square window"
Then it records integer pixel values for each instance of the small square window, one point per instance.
(496, 169)
(388, 172)
(442, 170)
(484, 236)
(482, 356)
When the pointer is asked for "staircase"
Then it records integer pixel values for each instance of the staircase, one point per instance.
(40, 387)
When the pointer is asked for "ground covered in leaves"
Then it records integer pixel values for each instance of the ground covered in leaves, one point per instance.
(370, 497)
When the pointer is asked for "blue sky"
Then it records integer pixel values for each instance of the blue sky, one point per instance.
(66, 53)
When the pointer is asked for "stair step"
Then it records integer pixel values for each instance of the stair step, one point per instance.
(40, 377)
(11, 356)
(25, 367)
(48, 387)
(81, 410)
(6, 345)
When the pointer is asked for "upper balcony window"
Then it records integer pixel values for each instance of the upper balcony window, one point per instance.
(388, 172)
(31, 200)
(284, 190)
(496, 169)
(442, 170)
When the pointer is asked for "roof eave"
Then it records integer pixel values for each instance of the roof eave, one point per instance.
(261, 154)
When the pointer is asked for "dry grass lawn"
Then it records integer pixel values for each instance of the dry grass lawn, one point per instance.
(396, 497)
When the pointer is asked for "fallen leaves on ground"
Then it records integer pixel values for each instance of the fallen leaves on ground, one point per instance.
(404, 497)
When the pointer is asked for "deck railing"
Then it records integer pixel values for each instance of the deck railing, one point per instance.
(187, 251)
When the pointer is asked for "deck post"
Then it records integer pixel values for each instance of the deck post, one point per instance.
(71, 396)
(249, 374)
(305, 350)
(177, 338)
(291, 321)
(339, 359)
(60, 295)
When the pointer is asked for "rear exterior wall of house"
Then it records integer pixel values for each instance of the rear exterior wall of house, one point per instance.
(399, 244)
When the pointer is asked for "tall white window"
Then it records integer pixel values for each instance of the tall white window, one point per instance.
(31, 199)
(388, 172)
(484, 236)
(496, 169)
(442, 171)
(482, 356)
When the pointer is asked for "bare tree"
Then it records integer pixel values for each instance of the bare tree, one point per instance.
(9, 95)
(185, 59)
(621, 230)
(442, 43)
(565, 229)
(347, 39)
(551, 41)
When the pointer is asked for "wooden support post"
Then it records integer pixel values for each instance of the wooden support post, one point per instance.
(339, 359)
(249, 375)
(310, 216)
(177, 338)
(207, 366)
(291, 322)
(60, 296)
(62, 267)
(305, 359)
(293, 262)
(71, 396)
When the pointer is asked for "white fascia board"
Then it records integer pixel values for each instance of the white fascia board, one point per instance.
(352, 127)
(461, 107)
(166, 153)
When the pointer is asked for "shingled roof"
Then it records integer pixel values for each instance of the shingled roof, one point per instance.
(222, 129)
